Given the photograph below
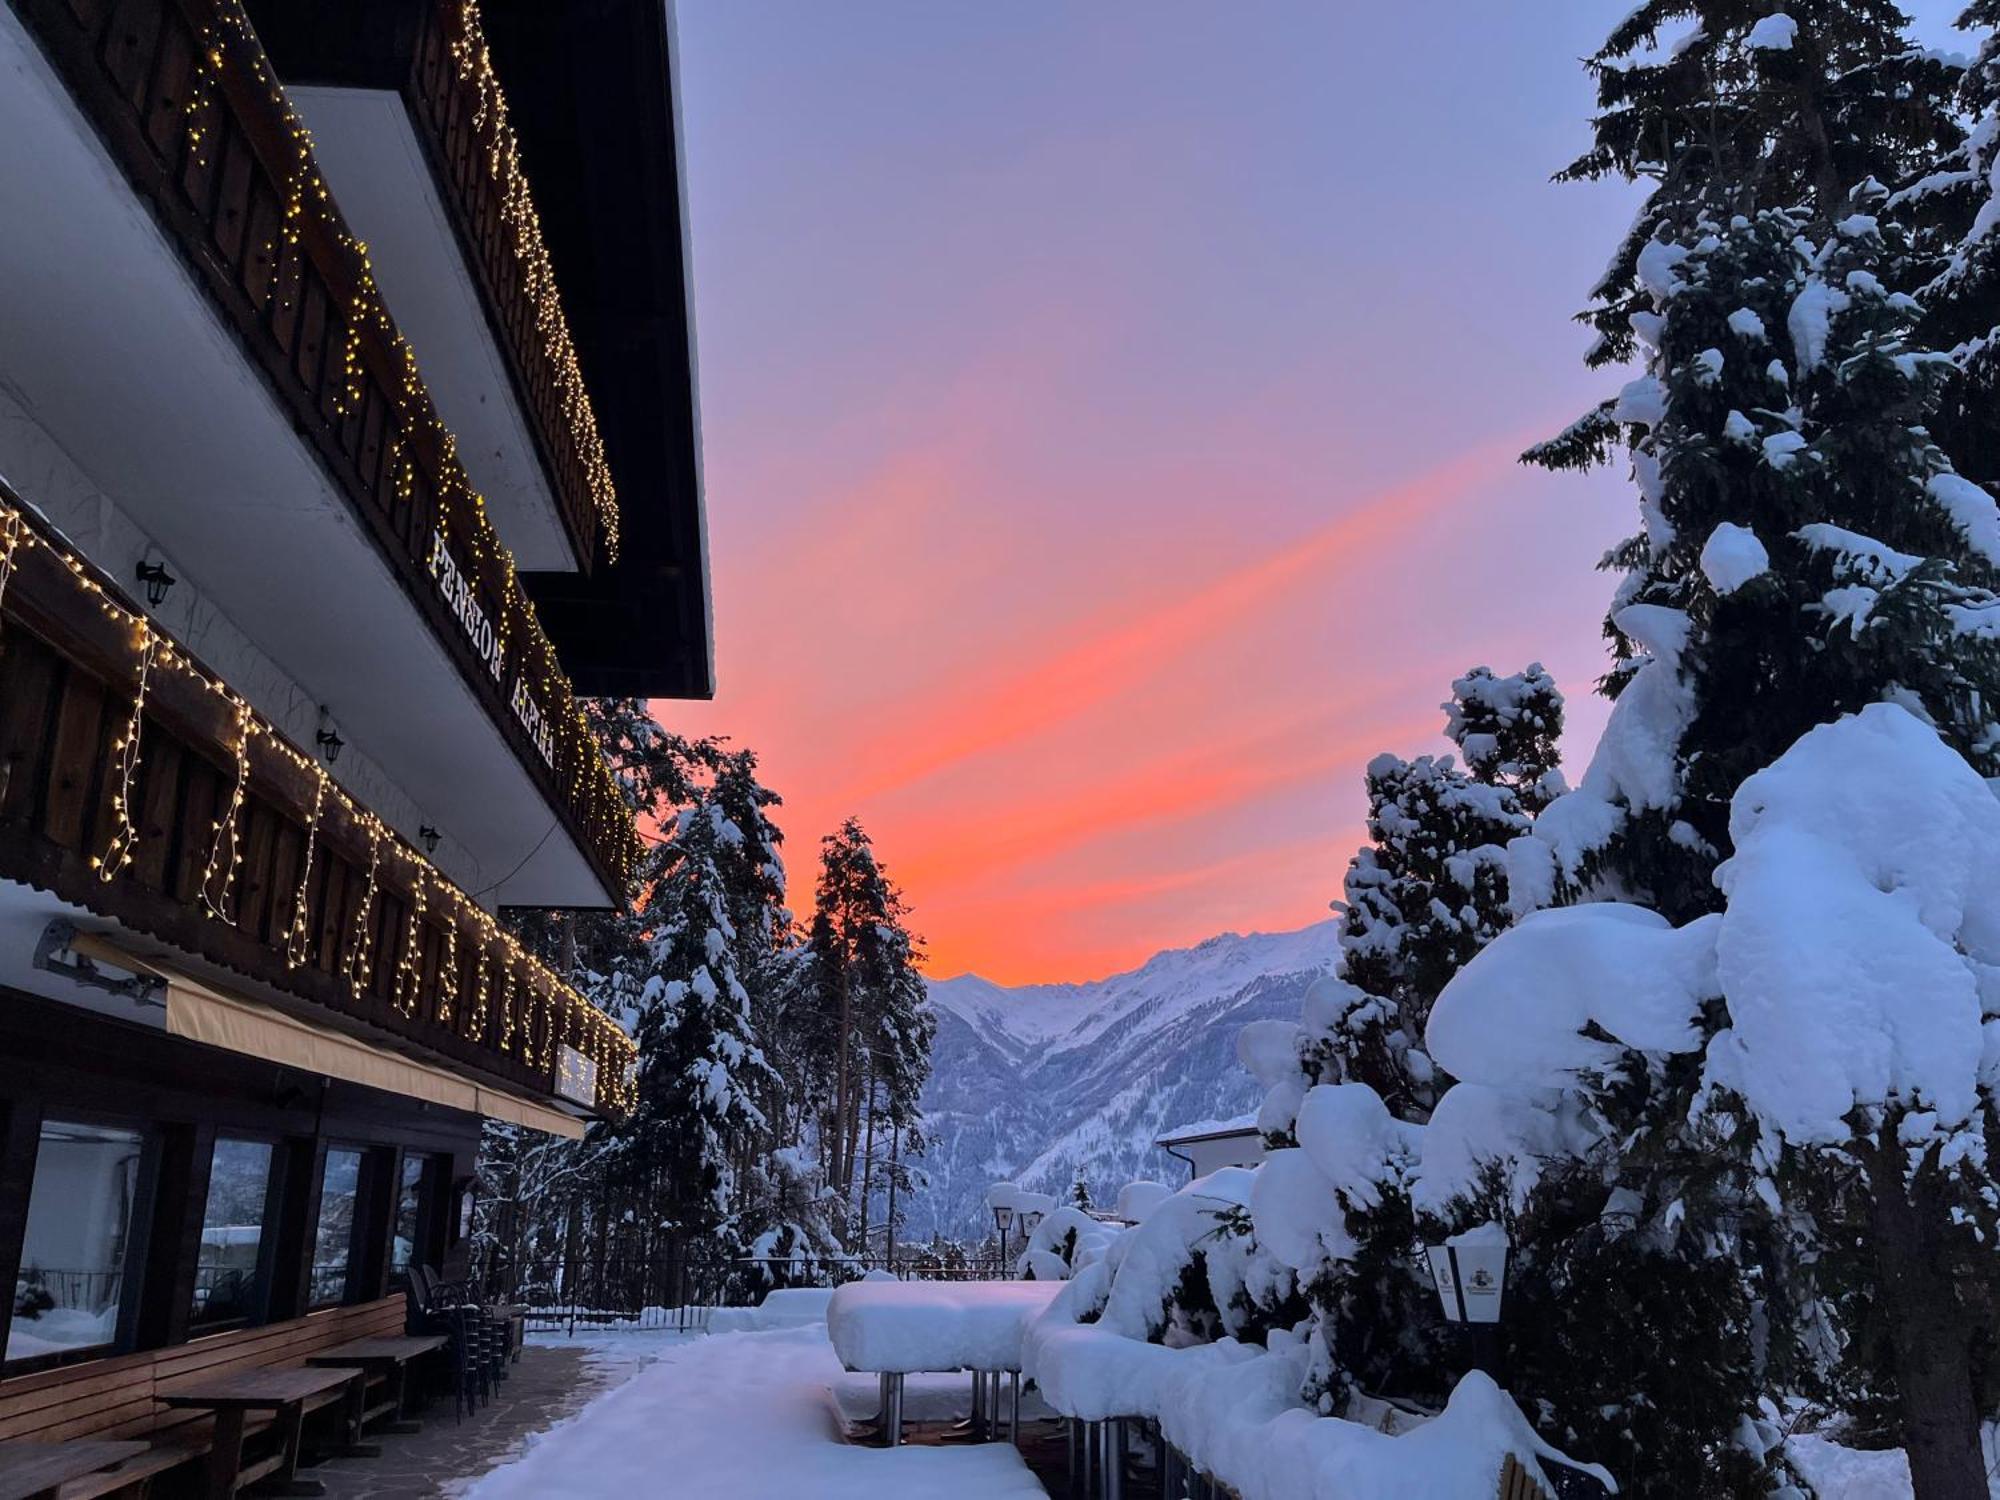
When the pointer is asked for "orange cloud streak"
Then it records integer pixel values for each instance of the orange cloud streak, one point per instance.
(1036, 695)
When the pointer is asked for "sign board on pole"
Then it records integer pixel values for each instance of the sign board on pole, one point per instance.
(1481, 1273)
(1446, 1277)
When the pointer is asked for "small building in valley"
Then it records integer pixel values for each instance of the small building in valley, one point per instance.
(1211, 1144)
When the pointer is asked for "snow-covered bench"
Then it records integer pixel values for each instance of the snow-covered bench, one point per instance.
(899, 1328)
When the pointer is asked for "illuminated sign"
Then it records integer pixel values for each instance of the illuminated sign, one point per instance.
(462, 599)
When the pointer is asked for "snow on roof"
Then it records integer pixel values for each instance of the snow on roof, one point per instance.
(1202, 1130)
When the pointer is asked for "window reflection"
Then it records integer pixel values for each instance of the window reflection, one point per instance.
(407, 1245)
(228, 1283)
(72, 1284)
(333, 1239)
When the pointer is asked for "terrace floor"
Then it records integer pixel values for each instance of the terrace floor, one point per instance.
(551, 1383)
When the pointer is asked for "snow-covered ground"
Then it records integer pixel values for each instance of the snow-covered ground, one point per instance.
(737, 1416)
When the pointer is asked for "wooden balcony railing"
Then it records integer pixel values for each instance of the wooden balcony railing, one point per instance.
(461, 115)
(138, 785)
(185, 100)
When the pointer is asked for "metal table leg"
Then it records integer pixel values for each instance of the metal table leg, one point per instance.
(1114, 1459)
(1014, 1407)
(895, 1410)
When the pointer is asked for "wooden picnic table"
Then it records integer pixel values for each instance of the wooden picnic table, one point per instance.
(283, 1393)
(36, 1471)
(390, 1356)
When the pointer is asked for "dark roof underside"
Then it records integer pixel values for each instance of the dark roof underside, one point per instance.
(588, 87)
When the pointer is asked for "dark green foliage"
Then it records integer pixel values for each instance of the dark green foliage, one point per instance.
(1509, 731)
(865, 1014)
(1380, 1326)
(1719, 128)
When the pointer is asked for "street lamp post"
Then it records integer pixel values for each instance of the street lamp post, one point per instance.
(1470, 1270)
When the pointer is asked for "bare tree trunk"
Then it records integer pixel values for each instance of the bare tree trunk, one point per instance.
(567, 957)
(895, 1171)
(843, 1162)
(1928, 1333)
(868, 1152)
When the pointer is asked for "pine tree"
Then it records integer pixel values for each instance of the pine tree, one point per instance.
(1079, 1191)
(873, 1028)
(1807, 549)
(1509, 729)
(1953, 209)
(700, 1069)
(1426, 894)
(1746, 105)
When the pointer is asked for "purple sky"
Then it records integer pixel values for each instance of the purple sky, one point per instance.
(1109, 415)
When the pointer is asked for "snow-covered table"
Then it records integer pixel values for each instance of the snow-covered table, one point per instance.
(898, 1328)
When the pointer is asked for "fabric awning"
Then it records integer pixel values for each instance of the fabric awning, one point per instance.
(202, 1013)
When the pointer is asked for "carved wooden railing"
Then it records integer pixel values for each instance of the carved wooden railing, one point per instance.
(136, 784)
(185, 100)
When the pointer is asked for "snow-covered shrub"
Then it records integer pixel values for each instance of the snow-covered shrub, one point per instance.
(1195, 1269)
(1063, 1241)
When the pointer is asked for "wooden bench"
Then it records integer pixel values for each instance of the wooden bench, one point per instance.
(120, 1396)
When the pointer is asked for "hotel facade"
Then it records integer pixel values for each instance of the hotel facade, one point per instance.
(347, 440)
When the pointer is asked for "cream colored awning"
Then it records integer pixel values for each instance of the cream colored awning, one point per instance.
(202, 1013)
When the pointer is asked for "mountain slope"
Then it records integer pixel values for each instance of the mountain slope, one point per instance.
(1028, 1082)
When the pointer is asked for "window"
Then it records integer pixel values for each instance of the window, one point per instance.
(74, 1283)
(412, 1240)
(333, 1239)
(229, 1276)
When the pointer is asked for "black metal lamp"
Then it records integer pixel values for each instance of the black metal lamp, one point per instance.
(430, 837)
(157, 580)
(329, 742)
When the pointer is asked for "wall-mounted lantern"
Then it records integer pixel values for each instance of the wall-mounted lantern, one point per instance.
(328, 740)
(157, 580)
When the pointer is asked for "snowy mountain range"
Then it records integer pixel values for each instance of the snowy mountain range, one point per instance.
(1029, 1081)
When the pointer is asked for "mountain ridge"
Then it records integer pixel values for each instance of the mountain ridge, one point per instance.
(1029, 1081)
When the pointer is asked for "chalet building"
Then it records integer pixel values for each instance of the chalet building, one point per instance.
(1214, 1144)
(347, 436)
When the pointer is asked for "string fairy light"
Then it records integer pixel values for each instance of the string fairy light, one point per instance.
(297, 936)
(227, 40)
(482, 989)
(563, 1012)
(215, 898)
(359, 961)
(473, 61)
(125, 752)
(409, 967)
(448, 983)
(10, 542)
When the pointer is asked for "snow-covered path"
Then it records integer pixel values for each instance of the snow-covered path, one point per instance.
(741, 1416)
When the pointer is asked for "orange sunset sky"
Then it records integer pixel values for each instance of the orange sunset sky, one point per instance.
(1110, 430)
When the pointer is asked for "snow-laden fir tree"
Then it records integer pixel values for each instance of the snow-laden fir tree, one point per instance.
(700, 1068)
(1508, 729)
(1808, 550)
(1954, 210)
(1723, 107)
(1430, 888)
(1426, 894)
(780, 1206)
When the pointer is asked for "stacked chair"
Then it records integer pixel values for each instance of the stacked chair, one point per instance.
(481, 1338)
